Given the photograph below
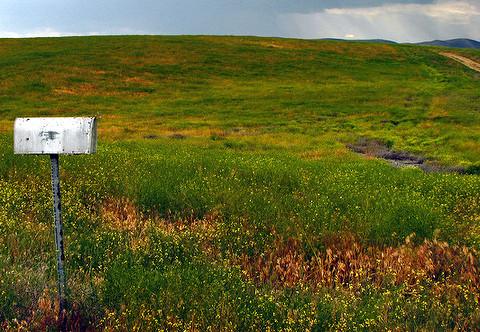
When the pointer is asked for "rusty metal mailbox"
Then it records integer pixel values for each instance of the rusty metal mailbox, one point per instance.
(55, 135)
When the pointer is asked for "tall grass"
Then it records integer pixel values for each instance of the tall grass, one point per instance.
(168, 235)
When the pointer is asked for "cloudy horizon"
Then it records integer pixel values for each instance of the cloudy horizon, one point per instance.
(400, 20)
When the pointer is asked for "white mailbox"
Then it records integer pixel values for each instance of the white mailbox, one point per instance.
(55, 135)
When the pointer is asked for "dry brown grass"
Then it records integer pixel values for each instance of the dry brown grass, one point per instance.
(346, 263)
(84, 89)
(120, 214)
(44, 316)
(138, 80)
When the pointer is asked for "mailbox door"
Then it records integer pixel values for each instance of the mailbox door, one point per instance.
(55, 135)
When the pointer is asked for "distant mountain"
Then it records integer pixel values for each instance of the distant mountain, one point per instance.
(458, 43)
(379, 41)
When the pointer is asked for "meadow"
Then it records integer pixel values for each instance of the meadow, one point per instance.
(224, 194)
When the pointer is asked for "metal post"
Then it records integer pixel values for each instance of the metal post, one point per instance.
(57, 210)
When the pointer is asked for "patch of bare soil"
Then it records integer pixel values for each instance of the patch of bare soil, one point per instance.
(378, 149)
(465, 61)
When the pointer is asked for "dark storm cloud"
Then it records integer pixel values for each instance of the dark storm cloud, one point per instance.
(442, 19)
(304, 19)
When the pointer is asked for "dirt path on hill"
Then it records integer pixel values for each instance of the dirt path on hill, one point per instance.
(466, 61)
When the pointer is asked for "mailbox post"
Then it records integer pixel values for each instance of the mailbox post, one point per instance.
(55, 136)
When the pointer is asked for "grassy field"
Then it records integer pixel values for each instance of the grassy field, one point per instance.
(224, 195)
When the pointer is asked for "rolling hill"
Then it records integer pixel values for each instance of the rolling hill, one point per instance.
(259, 91)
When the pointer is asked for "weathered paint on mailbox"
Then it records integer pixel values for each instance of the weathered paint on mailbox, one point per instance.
(55, 135)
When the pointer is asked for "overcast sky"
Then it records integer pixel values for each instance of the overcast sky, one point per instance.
(399, 20)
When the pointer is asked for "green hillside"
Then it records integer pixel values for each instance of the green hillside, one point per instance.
(262, 93)
(225, 194)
